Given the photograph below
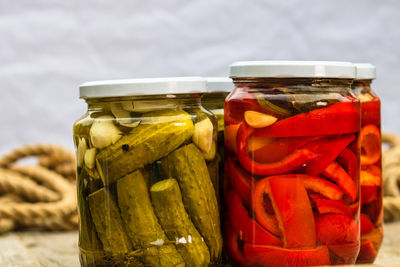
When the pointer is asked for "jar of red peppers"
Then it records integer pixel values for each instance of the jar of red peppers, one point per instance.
(371, 169)
(292, 171)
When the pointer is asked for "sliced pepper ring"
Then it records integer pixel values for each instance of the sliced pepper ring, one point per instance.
(370, 176)
(267, 220)
(370, 143)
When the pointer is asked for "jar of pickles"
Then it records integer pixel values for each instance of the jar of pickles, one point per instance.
(371, 168)
(292, 182)
(218, 89)
(145, 196)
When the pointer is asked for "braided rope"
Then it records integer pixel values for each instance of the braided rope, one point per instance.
(11, 182)
(39, 196)
(391, 177)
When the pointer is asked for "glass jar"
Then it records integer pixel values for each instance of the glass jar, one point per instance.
(292, 179)
(218, 89)
(371, 167)
(145, 196)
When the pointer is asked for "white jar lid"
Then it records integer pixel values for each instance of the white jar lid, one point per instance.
(219, 85)
(293, 69)
(365, 71)
(140, 87)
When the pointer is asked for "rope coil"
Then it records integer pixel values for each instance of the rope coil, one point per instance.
(391, 177)
(40, 196)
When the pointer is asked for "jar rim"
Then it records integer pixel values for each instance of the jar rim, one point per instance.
(293, 69)
(219, 85)
(365, 71)
(143, 87)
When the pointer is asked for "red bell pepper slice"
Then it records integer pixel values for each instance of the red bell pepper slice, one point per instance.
(336, 173)
(289, 163)
(371, 176)
(348, 160)
(293, 211)
(280, 148)
(275, 256)
(240, 181)
(268, 221)
(367, 253)
(323, 121)
(318, 185)
(335, 229)
(231, 241)
(249, 230)
(368, 194)
(327, 149)
(366, 225)
(370, 143)
(332, 206)
(371, 112)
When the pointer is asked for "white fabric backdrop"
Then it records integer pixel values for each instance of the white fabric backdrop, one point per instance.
(49, 47)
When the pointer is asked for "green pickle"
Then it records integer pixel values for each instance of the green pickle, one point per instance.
(88, 239)
(169, 208)
(153, 139)
(107, 220)
(142, 224)
(188, 166)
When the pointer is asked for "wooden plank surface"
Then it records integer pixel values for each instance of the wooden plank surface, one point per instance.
(59, 249)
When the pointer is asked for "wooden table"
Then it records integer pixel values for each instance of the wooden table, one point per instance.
(52, 249)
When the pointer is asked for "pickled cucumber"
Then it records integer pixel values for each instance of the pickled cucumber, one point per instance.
(188, 166)
(88, 238)
(167, 202)
(141, 223)
(159, 133)
(107, 220)
(213, 169)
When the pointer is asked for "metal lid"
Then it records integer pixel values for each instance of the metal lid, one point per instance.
(293, 69)
(147, 86)
(219, 85)
(365, 71)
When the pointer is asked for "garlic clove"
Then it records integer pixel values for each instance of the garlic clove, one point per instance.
(210, 155)
(203, 135)
(81, 150)
(128, 105)
(90, 157)
(103, 132)
(123, 116)
(258, 120)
